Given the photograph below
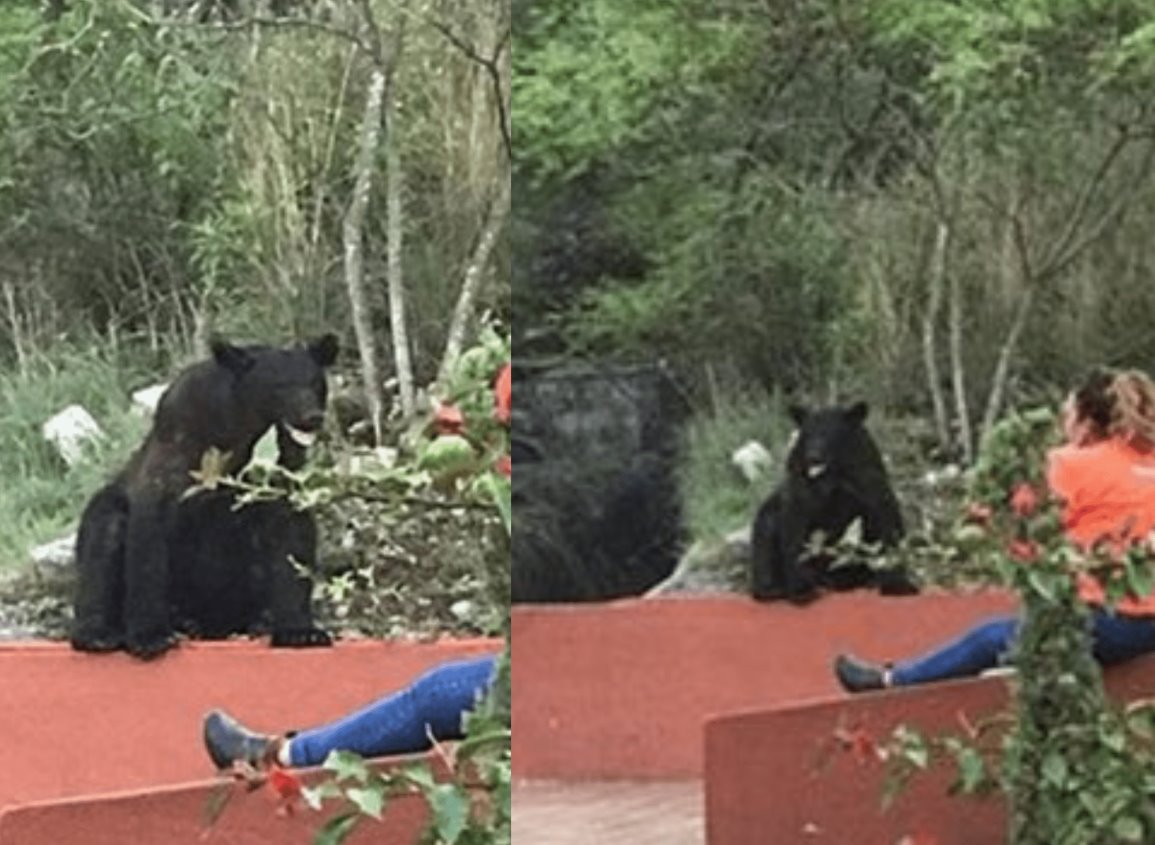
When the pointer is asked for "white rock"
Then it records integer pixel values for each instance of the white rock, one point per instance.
(753, 460)
(462, 610)
(145, 400)
(56, 553)
(69, 431)
(945, 475)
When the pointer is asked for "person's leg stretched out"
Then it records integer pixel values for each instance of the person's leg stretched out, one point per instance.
(400, 723)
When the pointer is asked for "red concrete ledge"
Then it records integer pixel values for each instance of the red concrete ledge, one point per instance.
(777, 775)
(621, 690)
(80, 724)
(180, 815)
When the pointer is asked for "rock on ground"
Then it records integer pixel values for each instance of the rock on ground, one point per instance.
(710, 566)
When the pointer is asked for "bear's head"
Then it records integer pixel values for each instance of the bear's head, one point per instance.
(828, 441)
(283, 386)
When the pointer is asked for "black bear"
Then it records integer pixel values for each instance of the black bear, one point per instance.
(834, 476)
(146, 552)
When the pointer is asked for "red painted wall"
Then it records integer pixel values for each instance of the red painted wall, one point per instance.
(180, 816)
(777, 776)
(77, 724)
(621, 690)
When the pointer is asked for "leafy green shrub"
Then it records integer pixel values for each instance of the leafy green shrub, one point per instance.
(41, 496)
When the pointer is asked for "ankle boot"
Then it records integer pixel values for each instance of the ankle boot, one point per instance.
(858, 675)
(228, 741)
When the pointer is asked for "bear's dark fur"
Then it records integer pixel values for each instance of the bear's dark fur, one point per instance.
(145, 551)
(834, 475)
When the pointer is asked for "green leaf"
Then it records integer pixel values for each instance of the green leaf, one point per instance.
(1139, 578)
(972, 770)
(450, 807)
(347, 766)
(370, 801)
(420, 776)
(447, 454)
(1128, 829)
(1055, 769)
(500, 490)
(337, 829)
(314, 797)
(266, 451)
(1041, 584)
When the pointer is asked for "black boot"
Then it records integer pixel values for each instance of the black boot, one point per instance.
(859, 676)
(228, 741)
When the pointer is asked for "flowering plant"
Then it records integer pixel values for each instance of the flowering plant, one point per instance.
(1075, 770)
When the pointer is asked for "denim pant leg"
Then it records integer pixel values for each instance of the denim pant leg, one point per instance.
(1119, 638)
(401, 723)
(982, 647)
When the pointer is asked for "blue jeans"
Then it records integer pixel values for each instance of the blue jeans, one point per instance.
(1115, 639)
(402, 722)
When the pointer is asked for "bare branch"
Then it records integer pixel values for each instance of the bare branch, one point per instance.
(276, 23)
(1122, 200)
(1082, 203)
(492, 67)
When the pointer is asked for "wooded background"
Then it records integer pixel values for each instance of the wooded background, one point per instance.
(943, 207)
(176, 167)
(265, 170)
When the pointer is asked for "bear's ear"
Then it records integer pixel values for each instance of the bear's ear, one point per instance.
(798, 413)
(324, 350)
(232, 358)
(857, 412)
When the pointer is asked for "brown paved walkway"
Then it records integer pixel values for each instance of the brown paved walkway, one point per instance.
(608, 813)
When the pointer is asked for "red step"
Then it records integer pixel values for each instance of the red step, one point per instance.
(622, 690)
(777, 775)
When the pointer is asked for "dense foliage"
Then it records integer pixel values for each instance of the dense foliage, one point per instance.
(166, 174)
(939, 205)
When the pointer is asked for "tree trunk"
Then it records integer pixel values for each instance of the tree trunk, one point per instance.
(965, 436)
(463, 311)
(14, 326)
(929, 333)
(394, 187)
(353, 233)
(1003, 366)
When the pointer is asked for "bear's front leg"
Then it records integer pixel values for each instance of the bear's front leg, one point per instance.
(98, 624)
(148, 627)
(291, 587)
(765, 574)
(799, 581)
(883, 525)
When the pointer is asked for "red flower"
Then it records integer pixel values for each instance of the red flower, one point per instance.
(860, 743)
(1024, 551)
(978, 513)
(286, 787)
(503, 395)
(448, 419)
(504, 465)
(1024, 500)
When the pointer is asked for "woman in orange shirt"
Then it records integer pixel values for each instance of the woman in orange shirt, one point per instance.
(1105, 476)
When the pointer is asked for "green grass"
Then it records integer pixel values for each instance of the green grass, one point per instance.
(716, 498)
(40, 497)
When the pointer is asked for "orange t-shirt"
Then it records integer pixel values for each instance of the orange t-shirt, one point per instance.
(1108, 493)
